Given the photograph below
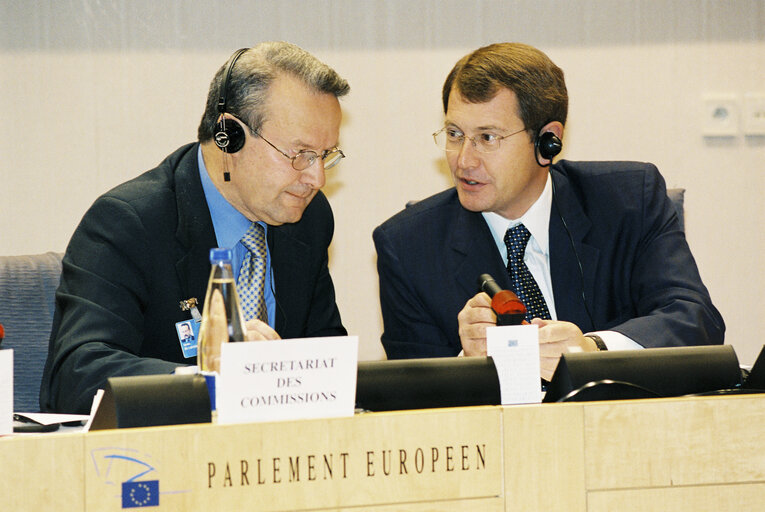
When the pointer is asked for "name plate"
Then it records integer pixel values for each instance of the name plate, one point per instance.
(515, 350)
(287, 379)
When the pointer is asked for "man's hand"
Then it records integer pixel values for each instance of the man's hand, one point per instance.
(557, 338)
(259, 331)
(217, 331)
(473, 320)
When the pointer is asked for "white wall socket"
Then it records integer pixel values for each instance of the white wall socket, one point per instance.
(753, 114)
(721, 115)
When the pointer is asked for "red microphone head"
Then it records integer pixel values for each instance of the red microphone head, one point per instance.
(507, 303)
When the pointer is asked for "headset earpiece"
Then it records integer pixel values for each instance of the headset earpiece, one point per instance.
(548, 145)
(229, 135)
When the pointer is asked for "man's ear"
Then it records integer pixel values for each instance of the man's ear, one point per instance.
(555, 127)
(548, 143)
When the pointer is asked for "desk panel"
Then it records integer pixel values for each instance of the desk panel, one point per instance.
(544, 450)
(368, 460)
(712, 498)
(469, 505)
(676, 454)
(675, 442)
(42, 472)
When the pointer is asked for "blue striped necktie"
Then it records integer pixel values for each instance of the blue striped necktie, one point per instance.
(251, 283)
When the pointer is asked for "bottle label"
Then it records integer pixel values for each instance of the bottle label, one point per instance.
(188, 334)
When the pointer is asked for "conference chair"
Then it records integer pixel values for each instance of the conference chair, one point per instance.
(27, 302)
(677, 196)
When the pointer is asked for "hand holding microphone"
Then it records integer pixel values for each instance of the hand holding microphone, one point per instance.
(506, 304)
(490, 306)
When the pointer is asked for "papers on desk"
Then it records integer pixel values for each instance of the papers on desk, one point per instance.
(515, 350)
(35, 423)
(6, 391)
(44, 418)
(287, 379)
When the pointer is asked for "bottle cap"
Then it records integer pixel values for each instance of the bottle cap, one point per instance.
(219, 255)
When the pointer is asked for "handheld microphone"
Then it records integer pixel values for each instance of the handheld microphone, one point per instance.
(506, 304)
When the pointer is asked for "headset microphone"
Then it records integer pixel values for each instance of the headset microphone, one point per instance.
(508, 307)
(228, 134)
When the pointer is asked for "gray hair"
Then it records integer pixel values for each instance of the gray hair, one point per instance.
(252, 76)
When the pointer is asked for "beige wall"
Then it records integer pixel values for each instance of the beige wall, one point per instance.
(92, 93)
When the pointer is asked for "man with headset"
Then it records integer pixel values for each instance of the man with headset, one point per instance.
(589, 247)
(269, 131)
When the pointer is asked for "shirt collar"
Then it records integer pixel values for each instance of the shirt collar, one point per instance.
(536, 219)
(229, 223)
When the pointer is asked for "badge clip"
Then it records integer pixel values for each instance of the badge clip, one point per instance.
(191, 305)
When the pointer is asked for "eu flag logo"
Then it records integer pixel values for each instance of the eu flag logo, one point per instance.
(140, 494)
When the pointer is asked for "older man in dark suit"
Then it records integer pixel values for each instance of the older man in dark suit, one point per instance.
(269, 131)
(595, 250)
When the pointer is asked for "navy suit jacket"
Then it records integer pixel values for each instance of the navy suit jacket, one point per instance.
(638, 276)
(141, 249)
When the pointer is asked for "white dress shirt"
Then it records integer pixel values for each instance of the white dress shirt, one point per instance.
(537, 256)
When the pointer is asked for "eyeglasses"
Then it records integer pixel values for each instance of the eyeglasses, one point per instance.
(451, 139)
(305, 158)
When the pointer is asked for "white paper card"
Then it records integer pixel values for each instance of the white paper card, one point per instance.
(287, 379)
(93, 408)
(6, 391)
(515, 350)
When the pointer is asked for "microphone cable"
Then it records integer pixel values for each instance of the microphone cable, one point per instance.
(573, 245)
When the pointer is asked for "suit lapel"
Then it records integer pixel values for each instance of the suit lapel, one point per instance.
(472, 252)
(290, 259)
(568, 283)
(195, 233)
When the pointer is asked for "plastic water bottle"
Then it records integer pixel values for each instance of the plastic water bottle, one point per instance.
(222, 279)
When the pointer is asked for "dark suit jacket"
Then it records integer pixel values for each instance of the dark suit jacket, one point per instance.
(637, 272)
(141, 249)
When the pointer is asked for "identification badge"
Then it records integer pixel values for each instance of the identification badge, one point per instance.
(188, 334)
(188, 330)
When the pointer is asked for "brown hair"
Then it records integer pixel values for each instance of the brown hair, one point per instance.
(536, 81)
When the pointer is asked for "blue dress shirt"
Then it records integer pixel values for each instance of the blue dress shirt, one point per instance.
(230, 226)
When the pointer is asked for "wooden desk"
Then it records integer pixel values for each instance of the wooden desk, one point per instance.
(676, 454)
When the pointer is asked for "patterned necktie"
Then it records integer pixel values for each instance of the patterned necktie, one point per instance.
(251, 283)
(524, 285)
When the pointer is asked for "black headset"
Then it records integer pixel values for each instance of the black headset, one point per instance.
(228, 136)
(547, 145)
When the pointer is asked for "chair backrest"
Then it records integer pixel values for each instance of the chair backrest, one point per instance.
(677, 196)
(27, 302)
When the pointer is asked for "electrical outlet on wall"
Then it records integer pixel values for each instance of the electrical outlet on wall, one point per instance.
(721, 115)
(753, 113)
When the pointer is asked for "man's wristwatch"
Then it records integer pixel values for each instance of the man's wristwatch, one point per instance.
(598, 341)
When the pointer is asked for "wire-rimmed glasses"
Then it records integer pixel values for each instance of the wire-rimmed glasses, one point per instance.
(450, 138)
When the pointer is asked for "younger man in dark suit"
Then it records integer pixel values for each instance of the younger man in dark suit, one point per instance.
(590, 247)
(269, 131)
